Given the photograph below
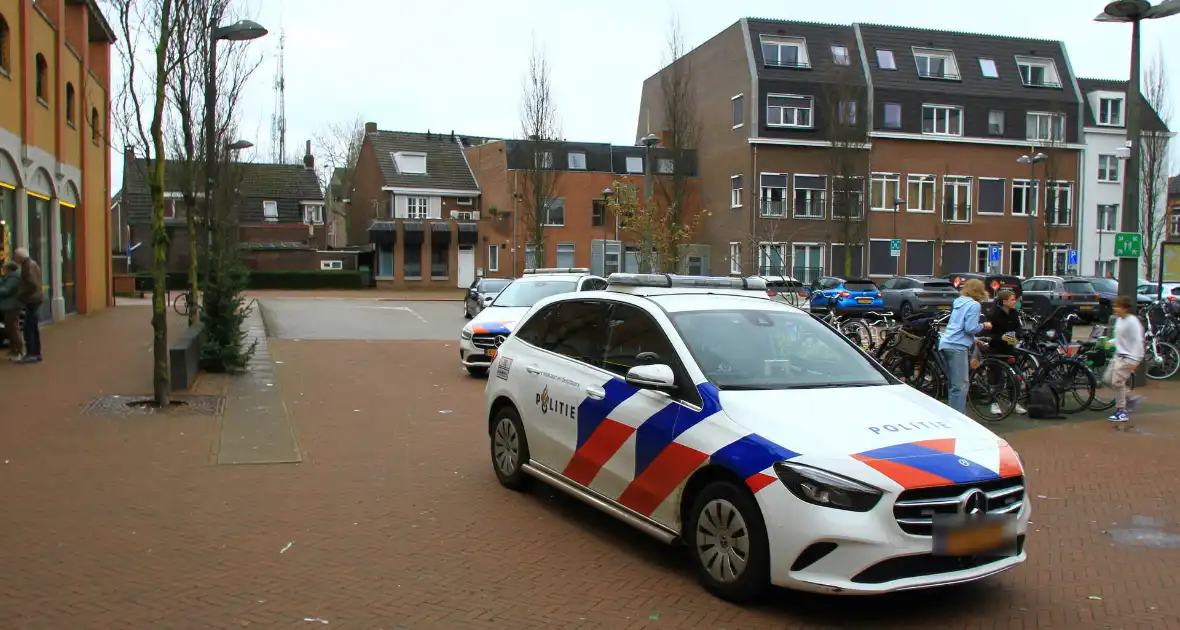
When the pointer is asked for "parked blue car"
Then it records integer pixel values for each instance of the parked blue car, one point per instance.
(848, 296)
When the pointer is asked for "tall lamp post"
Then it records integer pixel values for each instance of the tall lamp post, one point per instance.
(1133, 11)
(1032, 160)
(648, 141)
(606, 195)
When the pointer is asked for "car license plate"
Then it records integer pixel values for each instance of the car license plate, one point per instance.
(1085, 308)
(492, 352)
(944, 307)
(864, 300)
(986, 535)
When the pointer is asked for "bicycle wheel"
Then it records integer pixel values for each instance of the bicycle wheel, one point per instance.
(1105, 395)
(1164, 362)
(930, 379)
(1074, 381)
(992, 389)
(858, 332)
(180, 305)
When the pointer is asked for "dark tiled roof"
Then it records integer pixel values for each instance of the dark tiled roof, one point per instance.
(1174, 186)
(446, 166)
(820, 38)
(1150, 120)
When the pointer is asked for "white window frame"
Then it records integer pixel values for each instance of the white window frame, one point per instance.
(988, 68)
(313, 213)
(270, 211)
(1052, 77)
(811, 194)
(1110, 107)
(737, 104)
(548, 220)
(735, 194)
(1024, 250)
(631, 161)
(886, 54)
(819, 271)
(543, 160)
(1113, 210)
(1109, 169)
(764, 249)
(665, 166)
(846, 114)
(1052, 250)
(840, 55)
(576, 160)
(920, 179)
(786, 200)
(1051, 122)
(735, 258)
(860, 207)
(1025, 184)
(464, 201)
(780, 42)
(1002, 115)
(885, 115)
(783, 110)
(530, 255)
(950, 64)
(1004, 198)
(1053, 217)
(1174, 222)
(985, 247)
(942, 113)
(960, 188)
(884, 179)
(493, 257)
(417, 208)
(170, 210)
(331, 265)
(399, 161)
(564, 247)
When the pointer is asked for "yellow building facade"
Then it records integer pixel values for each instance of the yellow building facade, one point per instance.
(55, 69)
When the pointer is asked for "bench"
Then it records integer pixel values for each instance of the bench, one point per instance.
(184, 357)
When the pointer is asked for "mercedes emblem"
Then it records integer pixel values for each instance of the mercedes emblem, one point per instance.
(500, 340)
(973, 502)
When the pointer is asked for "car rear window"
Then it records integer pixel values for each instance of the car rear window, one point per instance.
(1079, 286)
(1105, 284)
(860, 285)
(938, 285)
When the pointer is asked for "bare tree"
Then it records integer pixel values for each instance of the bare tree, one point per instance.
(660, 236)
(844, 103)
(540, 128)
(339, 147)
(1154, 163)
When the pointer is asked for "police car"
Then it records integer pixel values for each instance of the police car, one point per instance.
(703, 412)
(480, 338)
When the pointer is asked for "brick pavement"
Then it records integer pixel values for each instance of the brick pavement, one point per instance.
(395, 519)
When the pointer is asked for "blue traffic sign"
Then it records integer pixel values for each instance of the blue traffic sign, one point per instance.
(1073, 257)
(993, 253)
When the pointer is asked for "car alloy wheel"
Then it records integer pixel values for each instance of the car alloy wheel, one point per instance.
(510, 449)
(723, 541)
(726, 536)
(906, 310)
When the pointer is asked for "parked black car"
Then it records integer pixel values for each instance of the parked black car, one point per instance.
(481, 293)
(1045, 294)
(993, 282)
(906, 295)
(1108, 290)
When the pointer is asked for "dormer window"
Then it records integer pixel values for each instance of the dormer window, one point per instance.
(785, 52)
(1038, 72)
(1110, 112)
(313, 214)
(988, 68)
(840, 56)
(936, 64)
(885, 60)
(412, 163)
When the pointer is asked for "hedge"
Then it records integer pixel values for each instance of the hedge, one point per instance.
(301, 279)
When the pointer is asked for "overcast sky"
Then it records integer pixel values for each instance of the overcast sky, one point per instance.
(439, 65)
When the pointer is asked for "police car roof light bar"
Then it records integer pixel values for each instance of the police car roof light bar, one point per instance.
(545, 270)
(675, 281)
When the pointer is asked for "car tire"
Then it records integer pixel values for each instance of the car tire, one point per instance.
(725, 524)
(509, 448)
(466, 310)
(475, 370)
(906, 311)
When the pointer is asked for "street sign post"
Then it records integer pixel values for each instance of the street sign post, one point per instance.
(1073, 258)
(993, 257)
(895, 247)
(1128, 245)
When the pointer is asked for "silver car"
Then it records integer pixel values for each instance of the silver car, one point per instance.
(907, 295)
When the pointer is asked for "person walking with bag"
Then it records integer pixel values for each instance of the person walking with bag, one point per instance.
(1128, 353)
(10, 309)
(31, 295)
(957, 341)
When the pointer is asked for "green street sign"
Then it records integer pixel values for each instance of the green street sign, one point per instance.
(1128, 245)
(895, 247)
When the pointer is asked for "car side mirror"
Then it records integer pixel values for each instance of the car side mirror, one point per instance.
(653, 376)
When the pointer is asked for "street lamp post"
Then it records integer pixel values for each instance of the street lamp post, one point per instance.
(1032, 160)
(649, 141)
(606, 195)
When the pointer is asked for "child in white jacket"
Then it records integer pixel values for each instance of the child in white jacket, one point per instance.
(1128, 352)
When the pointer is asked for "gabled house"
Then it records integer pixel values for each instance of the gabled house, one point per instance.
(336, 206)
(1174, 209)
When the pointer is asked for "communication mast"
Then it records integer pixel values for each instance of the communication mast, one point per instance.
(278, 132)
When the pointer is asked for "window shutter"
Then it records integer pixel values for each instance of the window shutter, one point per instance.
(434, 208)
(400, 207)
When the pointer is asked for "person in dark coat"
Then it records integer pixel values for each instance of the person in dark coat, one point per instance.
(1005, 321)
(31, 294)
(10, 310)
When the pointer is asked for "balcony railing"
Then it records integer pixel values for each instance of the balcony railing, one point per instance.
(813, 209)
(956, 213)
(465, 215)
(774, 208)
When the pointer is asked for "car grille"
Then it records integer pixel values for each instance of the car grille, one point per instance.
(915, 509)
(925, 565)
(487, 341)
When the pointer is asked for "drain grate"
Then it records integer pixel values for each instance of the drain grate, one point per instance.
(145, 406)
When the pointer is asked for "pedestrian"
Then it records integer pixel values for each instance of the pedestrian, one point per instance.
(957, 341)
(31, 295)
(1005, 321)
(1128, 353)
(10, 309)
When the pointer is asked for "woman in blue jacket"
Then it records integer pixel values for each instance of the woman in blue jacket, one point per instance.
(958, 339)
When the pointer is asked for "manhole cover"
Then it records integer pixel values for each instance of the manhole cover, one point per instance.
(145, 406)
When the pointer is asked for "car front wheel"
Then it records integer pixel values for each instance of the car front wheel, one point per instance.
(510, 449)
(728, 543)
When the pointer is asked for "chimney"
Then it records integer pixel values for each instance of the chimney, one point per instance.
(308, 160)
(370, 127)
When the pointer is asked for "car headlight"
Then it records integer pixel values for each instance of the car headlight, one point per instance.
(820, 487)
(466, 334)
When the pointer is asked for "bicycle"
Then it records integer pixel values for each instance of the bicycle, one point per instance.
(1163, 358)
(183, 303)
(854, 329)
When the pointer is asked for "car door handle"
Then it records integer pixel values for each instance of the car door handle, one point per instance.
(595, 392)
(532, 369)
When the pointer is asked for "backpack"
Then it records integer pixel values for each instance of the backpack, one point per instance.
(1043, 403)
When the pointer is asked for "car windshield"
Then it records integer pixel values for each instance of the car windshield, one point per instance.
(1079, 286)
(528, 293)
(1106, 285)
(770, 349)
(494, 285)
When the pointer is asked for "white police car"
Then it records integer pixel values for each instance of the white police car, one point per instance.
(480, 338)
(763, 440)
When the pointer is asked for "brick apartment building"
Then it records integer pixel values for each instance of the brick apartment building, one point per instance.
(580, 229)
(831, 140)
(1173, 204)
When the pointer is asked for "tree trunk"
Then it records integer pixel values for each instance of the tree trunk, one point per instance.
(191, 225)
(161, 378)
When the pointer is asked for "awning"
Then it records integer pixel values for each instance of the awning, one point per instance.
(413, 232)
(468, 233)
(440, 233)
(383, 233)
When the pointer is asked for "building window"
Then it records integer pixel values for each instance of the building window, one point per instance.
(42, 79)
(493, 257)
(612, 258)
(270, 210)
(808, 262)
(991, 196)
(735, 191)
(1110, 111)
(848, 197)
(811, 193)
(840, 56)
(919, 258)
(313, 214)
(543, 160)
(555, 212)
(942, 120)
(847, 113)
(412, 260)
(331, 265)
(70, 103)
(784, 52)
(634, 164)
(1108, 217)
(577, 161)
(893, 115)
(1038, 72)
(1058, 201)
(983, 256)
(4, 40)
(416, 207)
(1024, 197)
(1108, 169)
(881, 261)
(94, 131)
(385, 261)
(772, 259)
(170, 210)
(665, 166)
(1105, 268)
(597, 213)
(735, 258)
(565, 255)
(739, 113)
(988, 68)
(1175, 227)
(774, 195)
(920, 193)
(884, 191)
(784, 110)
(885, 60)
(407, 162)
(995, 122)
(1056, 258)
(936, 64)
(1045, 127)
(1016, 252)
(464, 201)
(956, 199)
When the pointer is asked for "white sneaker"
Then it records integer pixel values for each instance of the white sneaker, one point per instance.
(996, 409)
(1020, 410)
